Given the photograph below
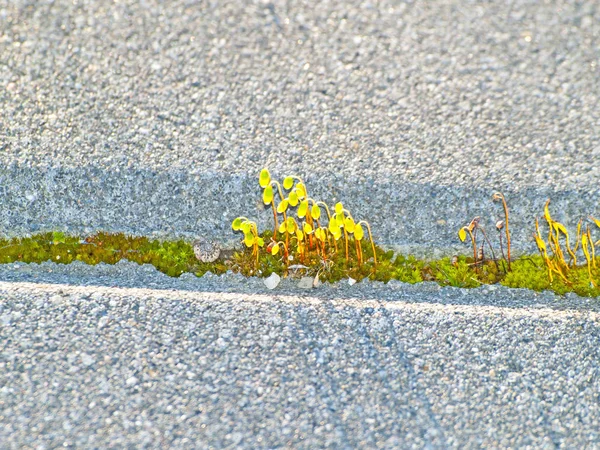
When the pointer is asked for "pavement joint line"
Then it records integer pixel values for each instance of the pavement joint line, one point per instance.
(222, 297)
(417, 386)
(363, 328)
(331, 402)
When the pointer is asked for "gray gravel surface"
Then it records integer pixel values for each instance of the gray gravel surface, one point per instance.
(96, 366)
(156, 117)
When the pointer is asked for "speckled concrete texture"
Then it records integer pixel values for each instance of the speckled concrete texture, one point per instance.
(160, 114)
(154, 117)
(153, 368)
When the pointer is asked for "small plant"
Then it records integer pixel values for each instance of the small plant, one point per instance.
(478, 252)
(251, 238)
(558, 237)
(305, 236)
(500, 197)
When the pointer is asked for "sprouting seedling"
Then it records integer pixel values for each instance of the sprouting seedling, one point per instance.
(585, 241)
(251, 237)
(597, 222)
(340, 217)
(472, 229)
(274, 247)
(554, 233)
(265, 182)
(359, 234)
(542, 249)
(462, 235)
(500, 196)
(499, 227)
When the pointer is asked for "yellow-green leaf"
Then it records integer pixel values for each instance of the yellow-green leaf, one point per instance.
(275, 249)
(320, 234)
(359, 233)
(293, 198)
(291, 225)
(301, 190)
(237, 223)
(349, 224)
(547, 212)
(303, 209)
(283, 206)
(339, 218)
(268, 195)
(307, 227)
(246, 227)
(249, 239)
(584, 246)
(260, 242)
(288, 182)
(596, 221)
(264, 179)
(560, 227)
(282, 227)
(315, 212)
(462, 234)
(299, 234)
(540, 243)
(339, 208)
(337, 235)
(334, 227)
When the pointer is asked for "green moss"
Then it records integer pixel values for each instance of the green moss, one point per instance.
(176, 257)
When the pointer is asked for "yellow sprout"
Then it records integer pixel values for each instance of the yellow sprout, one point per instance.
(237, 223)
(268, 195)
(283, 206)
(303, 209)
(290, 225)
(349, 225)
(320, 234)
(359, 233)
(264, 179)
(288, 182)
(301, 190)
(315, 212)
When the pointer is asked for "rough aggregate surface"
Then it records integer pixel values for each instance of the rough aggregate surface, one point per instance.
(155, 117)
(93, 365)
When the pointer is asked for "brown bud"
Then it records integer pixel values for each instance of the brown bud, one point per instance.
(473, 224)
(499, 225)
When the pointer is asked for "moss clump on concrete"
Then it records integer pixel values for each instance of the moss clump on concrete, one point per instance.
(176, 257)
(172, 258)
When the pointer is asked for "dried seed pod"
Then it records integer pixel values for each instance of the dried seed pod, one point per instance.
(499, 225)
(206, 251)
(455, 260)
(473, 224)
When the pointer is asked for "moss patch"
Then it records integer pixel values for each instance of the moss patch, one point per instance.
(177, 257)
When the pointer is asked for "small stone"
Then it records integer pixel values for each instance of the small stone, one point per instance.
(131, 381)
(206, 251)
(306, 283)
(102, 322)
(87, 360)
(272, 281)
(351, 281)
